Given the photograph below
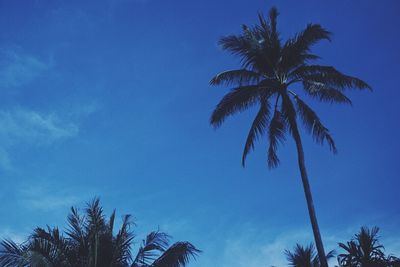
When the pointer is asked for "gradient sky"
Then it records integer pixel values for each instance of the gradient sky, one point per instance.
(111, 98)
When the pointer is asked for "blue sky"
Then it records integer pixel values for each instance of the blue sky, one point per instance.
(111, 98)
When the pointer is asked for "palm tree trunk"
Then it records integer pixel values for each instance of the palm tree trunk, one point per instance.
(310, 203)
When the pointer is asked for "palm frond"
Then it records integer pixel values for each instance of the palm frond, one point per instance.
(301, 256)
(178, 255)
(393, 261)
(351, 258)
(123, 241)
(249, 49)
(289, 114)
(236, 77)
(296, 50)
(50, 245)
(95, 216)
(264, 27)
(363, 250)
(38, 259)
(329, 76)
(155, 243)
(276, 135)
(12, 254)
(368, 242)
(257, 129)
(78, 236)
(273, 20)
(239, 99)
(313, 124)
(76, 226)
(325, 93)
(111, 222)
(305, 256)
(331, 254)
(258, 47)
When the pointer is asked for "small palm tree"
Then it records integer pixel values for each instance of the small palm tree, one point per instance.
(393, 261)
(305, 256)
(90, 242)
(364, 250)
(268, 77)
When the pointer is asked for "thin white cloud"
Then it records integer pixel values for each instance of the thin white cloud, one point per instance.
(85, 109)
(253, 248)
(21, 125)
(17, 68)
(250, 247)
(28, 127)
(5, 162)
(45, 198)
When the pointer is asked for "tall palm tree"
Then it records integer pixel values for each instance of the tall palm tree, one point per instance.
(364, 250)
(90, 242)
(305, 256)
(268, 76)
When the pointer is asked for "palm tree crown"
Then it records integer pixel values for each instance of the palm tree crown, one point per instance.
(269, 70)
(90, 242)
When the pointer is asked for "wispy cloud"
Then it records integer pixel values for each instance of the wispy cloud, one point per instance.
(253, 248)
(30, 126)
(22, 126)
(18, 68)
(5, 162)
(46, 198)
(85, 109)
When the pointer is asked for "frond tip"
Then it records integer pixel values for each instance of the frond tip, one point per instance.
(178, 255)
(276, 135)
(257, 129)
(242, 77)
(313, 124)
(237, 100)
(156, 242)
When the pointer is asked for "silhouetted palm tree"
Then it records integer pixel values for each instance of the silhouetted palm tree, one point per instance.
(268, 77)
(393, 261)
(305, 256)
(364, 250)
(90, 242)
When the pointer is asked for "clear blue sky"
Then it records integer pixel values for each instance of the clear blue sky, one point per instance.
(111, 98)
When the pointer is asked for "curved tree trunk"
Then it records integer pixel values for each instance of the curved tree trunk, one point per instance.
(310, 203)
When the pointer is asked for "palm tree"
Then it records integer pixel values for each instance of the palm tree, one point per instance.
(90, 242)
(268, 77)
(364, 250)
(393, 261)
(305, 256)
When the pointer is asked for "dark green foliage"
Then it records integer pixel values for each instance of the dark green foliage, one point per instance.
(90, 242)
